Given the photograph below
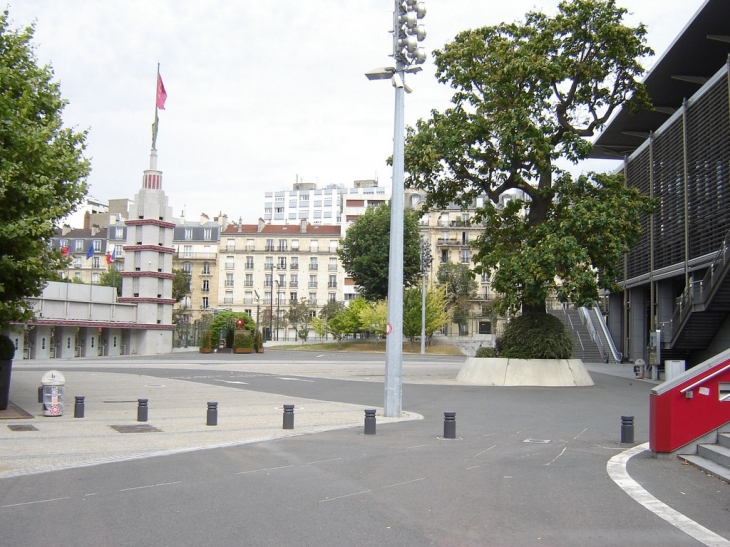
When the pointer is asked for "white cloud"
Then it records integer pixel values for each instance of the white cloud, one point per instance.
(258, 93)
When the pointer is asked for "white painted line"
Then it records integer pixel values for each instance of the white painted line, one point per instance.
(480, 453)
(345, 496)
(232, 382)
(265, 469)
(32, 502)
(324, 461)
(616, 468)
(473, 467)
(402, 483)
(168, 483)
(581, 433)
(295, 379)
(556, 457)
(416, 446)
(136, 488)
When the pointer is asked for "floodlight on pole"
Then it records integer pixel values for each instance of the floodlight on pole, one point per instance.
(407, 33)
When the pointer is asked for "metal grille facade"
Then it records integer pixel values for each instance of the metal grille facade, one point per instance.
(685, 166)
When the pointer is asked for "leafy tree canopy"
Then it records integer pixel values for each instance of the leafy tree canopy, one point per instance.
(365, 251)
(112, 278)
(180, 284)
(526, 95)
(458, 281)
(42, 172)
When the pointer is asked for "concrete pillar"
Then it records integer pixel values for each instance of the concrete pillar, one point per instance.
(615, 321)
(638, 299)
(41, 342)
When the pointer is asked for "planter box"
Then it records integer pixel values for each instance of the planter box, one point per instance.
(5, 369)
(524, 372)
(204, 350)
(242, 350)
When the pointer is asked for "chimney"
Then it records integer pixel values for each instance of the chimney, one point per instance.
(87, 220)
(203, 218)
(304, 226)
(65, 229)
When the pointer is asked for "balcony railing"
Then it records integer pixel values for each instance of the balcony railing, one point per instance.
(268, 266)
(332, 267)
(294, 266)
(228, 300)
(293, 284)
(229, 265)
(314, 267)
(194, 256)
(312, 285)
(248, 283)
(332, 285)
(229, 284)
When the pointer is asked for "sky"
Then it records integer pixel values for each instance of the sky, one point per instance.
(260, 95)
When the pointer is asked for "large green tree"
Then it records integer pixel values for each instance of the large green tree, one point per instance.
(527, 95)
(42, 172)
(180, 284)
(112, 278)
(365, 251)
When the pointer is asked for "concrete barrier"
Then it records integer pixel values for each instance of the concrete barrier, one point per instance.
(524, 372)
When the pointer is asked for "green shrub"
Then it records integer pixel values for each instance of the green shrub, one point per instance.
(486, 353)
(257, 341)
(242, 339)
(205, 340)
(535, 336)
(7, 348)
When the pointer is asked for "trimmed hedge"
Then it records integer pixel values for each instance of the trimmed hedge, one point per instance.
(535, 336)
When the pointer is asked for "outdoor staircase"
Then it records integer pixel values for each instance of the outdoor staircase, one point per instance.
(713, 458)
(583, 347)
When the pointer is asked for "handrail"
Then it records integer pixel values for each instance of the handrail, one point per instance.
(586, 319)
(698, 290)
(703, 380)
(617, 355)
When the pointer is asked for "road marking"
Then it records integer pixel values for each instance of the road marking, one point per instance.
(32, 502)
(402, 483)
(556, 457)
(480, 453)
(232, 382)
(345, 496)
(473, 467)
(149, 486)
(295, 379)
(265, 469)
(581, 433)
(616, 468)
(324, 461)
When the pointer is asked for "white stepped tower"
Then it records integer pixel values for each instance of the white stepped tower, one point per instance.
(147, 276)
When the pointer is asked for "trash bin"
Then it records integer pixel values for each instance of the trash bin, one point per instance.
(51, 392)
(639, 368)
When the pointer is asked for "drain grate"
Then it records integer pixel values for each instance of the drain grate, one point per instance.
(139, 428)
(23, 427)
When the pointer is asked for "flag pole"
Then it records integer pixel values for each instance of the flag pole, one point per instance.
(155, 124)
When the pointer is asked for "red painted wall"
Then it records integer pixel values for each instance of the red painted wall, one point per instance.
(675, 420)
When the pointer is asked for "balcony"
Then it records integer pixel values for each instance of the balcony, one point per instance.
(194, 256)
(268, 266)
(332, 267)
(228, 300)
(312, 285)
(332, 285)
(250, 247)
(229, 265)
(229, 284)
(294, 266)
(248, 284)
(313, 267)
(283, 249)
(230, 248)
(269, 248)
(293, 284)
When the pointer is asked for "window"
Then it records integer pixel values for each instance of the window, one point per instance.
(312, 281)
(204, 303)
(294, 280)
(207, 233)
(228, 298)
(313, 263)
(79, 245)
(282, 245)
(485, 277)
(188, 233)
(282, 280)
(249, 280)
(249, 263)
(95, 262)
(269, 263)
(294, 244)
(332, 297)
(282, 263)
(269, 244)
(294, 263)
(332, 265)
(229, 280)
(77, 276)
(118, 250)
(206, 285)
(188, 267)
(444, 256)
(292, 297)
(188, 251)
(95, 278)
(268, 280)
(248, 298)
(312, 297)
(332, 283)
(314, 246)
(250, 245)
(63, 243)
(118, 233)
(77, 262)
(231, 245)
(333, 246)
(465, 256)
(206, 268)
(229, 263)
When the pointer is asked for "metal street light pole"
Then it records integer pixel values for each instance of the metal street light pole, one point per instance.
(278, 303)
(406, 35)
(425, 263)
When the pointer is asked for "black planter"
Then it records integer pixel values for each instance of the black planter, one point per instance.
(5, 368)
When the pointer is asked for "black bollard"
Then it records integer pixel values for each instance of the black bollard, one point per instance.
(627, 429)
(79, 406)
(212, 413)
(370, 421)
(288, 416)
(449, 425)
(142, 410)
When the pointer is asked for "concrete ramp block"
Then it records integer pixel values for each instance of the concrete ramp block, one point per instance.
(524, 372)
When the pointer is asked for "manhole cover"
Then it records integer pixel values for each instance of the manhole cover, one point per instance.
(23, 427)
(140, 428)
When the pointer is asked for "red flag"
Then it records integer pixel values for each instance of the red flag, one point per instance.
(109, 258)
(64, 252)
(161, 93)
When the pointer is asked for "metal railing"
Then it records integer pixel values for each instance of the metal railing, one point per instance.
(586, 319)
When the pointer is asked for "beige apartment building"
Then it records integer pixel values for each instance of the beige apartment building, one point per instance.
(265, 268)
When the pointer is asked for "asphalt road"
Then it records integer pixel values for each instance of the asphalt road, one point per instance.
(528, 467)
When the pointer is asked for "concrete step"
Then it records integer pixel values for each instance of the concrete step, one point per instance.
(708, 466)
(715, 452)
(723, 439)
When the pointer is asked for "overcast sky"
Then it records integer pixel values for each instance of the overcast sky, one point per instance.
(260, 93)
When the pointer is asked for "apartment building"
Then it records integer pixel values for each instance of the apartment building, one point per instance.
(196, 252)
(265, 268)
